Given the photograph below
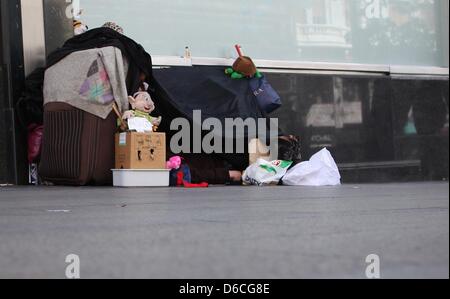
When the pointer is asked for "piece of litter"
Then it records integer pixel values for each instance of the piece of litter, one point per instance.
(58, 211)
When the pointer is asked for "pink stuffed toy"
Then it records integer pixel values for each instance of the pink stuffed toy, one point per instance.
(174, 163)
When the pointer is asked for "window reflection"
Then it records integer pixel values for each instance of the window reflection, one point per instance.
(406, 30)
(409, 32)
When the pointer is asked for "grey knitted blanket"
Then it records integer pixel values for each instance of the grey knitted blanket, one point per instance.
(90, 80)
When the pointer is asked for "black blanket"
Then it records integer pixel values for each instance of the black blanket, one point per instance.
(29, 106)
(180, 90)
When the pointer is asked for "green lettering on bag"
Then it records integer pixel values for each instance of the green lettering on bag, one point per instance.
(268, 168)
(285, 164)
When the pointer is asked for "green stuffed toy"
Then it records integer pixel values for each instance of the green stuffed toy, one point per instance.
(243, 67)
(236, 75)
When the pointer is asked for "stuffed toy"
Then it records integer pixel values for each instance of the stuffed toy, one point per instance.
(237, 75)
(142, 106)
(113, 26)
(180, 174)
(243, 67)
(174, 163)
(79, 27)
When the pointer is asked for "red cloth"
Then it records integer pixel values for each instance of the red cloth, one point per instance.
(182, 182)
(35, 133)
(189, 185)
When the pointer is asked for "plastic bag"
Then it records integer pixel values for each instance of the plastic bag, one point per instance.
(264, 173)
(320, 170)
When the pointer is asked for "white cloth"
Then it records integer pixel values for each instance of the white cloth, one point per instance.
(320, 170)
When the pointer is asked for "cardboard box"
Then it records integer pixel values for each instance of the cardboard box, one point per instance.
(140, 150)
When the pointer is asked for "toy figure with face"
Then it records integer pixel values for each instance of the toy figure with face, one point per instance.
(142, 102)
(142, 106)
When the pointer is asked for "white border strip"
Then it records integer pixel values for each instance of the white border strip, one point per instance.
(280, 65)
(419, 70)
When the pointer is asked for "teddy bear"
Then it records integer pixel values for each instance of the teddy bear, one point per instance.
(142, 105)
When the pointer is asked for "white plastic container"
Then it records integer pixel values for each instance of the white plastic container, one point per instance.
(141, 177)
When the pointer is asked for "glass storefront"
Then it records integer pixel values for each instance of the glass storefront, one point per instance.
(388, 32)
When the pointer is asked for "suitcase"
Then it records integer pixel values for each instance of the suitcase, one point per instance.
(78, 147)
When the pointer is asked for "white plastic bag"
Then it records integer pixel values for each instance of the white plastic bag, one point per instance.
(320, 170)
(264, 173)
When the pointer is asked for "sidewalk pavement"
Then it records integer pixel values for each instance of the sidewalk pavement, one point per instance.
(226, 232)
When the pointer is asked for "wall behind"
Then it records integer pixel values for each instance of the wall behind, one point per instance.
(58, 23)
(13, 153)
(33, 34)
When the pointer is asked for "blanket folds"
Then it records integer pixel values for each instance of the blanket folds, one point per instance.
(90, 80)
(30, 106)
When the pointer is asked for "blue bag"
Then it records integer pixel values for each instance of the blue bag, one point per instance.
(268, 99)
(184, 168)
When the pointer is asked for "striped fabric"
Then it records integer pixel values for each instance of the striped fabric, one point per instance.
(63, 138)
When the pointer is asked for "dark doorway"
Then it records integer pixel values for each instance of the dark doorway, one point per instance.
(13, 166)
